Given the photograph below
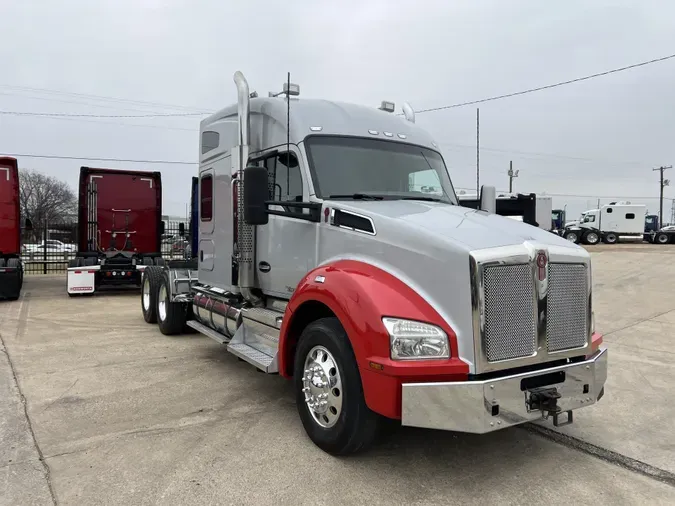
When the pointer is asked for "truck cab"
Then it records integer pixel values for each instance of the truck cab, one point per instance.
(322, 259)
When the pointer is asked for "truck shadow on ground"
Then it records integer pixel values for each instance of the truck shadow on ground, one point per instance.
(439, 450)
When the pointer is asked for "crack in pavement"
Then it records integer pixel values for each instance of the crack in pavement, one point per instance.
(23, 316)
(618, 459)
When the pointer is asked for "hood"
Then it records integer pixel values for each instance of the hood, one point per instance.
(467, 228)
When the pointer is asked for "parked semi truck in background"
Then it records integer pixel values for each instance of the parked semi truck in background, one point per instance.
(320, 262)
(11, 267)
(119, 228)
(610, 223)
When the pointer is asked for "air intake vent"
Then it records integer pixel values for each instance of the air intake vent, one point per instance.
(345, 219)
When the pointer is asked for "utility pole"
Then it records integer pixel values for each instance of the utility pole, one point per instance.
(511, 176)
(478, 153)
(663, 184)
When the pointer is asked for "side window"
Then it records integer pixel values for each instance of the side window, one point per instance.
(425, 181)
(210, 140)
(284, 178)
(630, 216)
(206, 198)
(609, 210)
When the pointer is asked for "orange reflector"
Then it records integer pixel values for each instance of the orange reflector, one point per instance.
(376, 366)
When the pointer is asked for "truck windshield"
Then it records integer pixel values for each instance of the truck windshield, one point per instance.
(361, 168)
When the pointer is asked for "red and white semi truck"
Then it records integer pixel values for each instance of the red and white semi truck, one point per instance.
(322, 261)
(11, 266)
(119, 228)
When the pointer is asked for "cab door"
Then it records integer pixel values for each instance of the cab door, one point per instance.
(285, 246)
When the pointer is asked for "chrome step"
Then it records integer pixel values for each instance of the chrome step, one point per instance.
(268, 317)
(203, 329)
(255, 357)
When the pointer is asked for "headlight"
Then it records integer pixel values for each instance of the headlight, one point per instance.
(410, 340)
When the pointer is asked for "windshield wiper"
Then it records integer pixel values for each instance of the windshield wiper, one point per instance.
(357, 196)
(428, 199)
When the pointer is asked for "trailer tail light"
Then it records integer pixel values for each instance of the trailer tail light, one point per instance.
(85, 272)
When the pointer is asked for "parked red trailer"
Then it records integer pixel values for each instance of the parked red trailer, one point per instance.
(119, 228)
(11, 268)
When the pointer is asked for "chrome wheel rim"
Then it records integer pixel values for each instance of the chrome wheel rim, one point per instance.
(572, 237)
(592, 238)
(161, 303)
(322, 386)
(146, 294)
(663, 239)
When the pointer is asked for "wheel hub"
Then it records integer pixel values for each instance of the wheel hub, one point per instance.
(322, 386)
(161, 303)
(146, 295)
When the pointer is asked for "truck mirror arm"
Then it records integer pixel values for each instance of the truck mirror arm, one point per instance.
(314, 210)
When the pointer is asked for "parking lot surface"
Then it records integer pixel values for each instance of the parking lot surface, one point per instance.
(103, 409)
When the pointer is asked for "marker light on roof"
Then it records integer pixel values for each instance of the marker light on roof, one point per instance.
(316, 128)
(373, 132)
(388, 134)
(402, 136)
(387, 106)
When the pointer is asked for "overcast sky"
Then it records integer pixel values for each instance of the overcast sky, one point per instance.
(596, 138)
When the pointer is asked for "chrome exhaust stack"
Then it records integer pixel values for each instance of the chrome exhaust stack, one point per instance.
(245, 232)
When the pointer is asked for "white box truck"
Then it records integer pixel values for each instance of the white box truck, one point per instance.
(610, 223)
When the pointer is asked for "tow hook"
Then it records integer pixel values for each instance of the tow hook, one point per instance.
(546, 401)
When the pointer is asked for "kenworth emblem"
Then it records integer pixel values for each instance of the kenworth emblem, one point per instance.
(542, 260)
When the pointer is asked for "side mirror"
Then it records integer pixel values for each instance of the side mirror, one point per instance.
(29, 224)
(162, 227)
(488, 199)
(181, 229)
(256, 192)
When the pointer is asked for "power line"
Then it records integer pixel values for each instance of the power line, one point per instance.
(102, 98)
(57, 157)
(69, 115)
(548, 86)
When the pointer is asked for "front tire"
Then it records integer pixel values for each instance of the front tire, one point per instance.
(152, 277)
(662, 238)
(329, 393)
(170, 315)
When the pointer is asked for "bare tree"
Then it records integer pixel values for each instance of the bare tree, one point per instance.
(45, 199)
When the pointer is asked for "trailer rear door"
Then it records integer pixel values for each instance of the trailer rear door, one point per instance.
(10, 227)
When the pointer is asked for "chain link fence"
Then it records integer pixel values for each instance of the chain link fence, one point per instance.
(47, 249)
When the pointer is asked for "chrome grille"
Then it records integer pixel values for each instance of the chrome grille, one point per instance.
(509, 309)
(566, 324)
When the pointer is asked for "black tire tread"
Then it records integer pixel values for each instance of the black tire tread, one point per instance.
(154, 275)
(358, 425)
(176, 313)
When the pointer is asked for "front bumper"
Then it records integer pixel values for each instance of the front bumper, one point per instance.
(489, 405)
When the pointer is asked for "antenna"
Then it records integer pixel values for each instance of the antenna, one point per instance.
(288, 134)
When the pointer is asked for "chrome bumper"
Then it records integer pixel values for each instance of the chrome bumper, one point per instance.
(486, 406)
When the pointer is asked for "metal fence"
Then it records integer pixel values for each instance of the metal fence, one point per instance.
(47, 249)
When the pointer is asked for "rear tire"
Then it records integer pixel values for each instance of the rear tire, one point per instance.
(611, 238)
(591, 238)
(571, 236)
(345, 424)
(147, 261)
(170, 315)
(152, 277)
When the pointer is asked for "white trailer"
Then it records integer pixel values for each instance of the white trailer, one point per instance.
(610, 223)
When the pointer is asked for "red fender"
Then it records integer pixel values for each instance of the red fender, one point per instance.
(360, 294)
